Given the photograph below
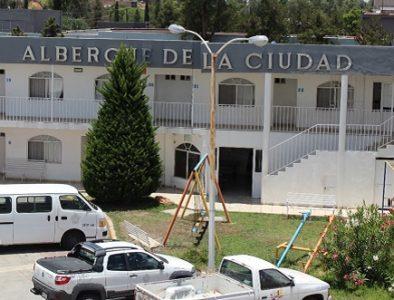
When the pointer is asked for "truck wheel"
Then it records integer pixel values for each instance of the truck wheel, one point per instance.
(89, 297)
(71, 238)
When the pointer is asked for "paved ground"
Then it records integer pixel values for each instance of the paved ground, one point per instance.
(16, 269)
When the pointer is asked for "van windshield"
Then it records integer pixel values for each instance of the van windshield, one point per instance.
(95, 207)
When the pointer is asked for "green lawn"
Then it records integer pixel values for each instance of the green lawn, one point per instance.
(254, 234)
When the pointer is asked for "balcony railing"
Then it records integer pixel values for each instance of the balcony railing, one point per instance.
(186, 115)
(48, 110)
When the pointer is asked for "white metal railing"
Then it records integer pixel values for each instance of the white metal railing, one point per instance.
(186, 114)
(319, 136)
(48, 110)
(359, 137)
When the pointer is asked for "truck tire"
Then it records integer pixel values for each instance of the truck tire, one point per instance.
(314, 297)
(71, 238)
(89, 296)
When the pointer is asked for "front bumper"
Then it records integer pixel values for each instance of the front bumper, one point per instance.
(47, 292)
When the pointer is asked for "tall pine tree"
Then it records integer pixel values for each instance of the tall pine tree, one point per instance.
(122, 162)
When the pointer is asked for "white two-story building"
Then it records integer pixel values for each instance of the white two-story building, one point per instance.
(290, 117)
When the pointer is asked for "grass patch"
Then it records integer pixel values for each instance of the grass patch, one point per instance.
(249, 233)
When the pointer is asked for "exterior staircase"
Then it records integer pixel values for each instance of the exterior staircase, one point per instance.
(324, 137)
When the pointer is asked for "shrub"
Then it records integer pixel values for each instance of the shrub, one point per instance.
(359, 249)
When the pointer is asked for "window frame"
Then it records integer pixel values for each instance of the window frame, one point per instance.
(189, 150)
(236, 84)
(334, 95)
(51, 149)
(46, 78)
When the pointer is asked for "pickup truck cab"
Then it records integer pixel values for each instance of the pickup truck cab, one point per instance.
(270, 282)
(104, 269)
(240, 277)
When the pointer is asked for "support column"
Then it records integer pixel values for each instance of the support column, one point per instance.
(267, 128)
(342, 140)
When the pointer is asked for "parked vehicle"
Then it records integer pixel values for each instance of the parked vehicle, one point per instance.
(48, 213)
(240, 277)
(103, 269)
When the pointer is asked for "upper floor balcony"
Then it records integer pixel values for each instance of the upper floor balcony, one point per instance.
(14, 110)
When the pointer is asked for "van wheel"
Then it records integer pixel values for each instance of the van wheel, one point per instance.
(71, 238)
(89, 297)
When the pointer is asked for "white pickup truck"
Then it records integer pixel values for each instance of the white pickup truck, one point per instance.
(240, 277)
(106, 269)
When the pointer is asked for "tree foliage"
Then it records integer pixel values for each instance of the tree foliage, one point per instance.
(373, 33)
(122, 161)
(51, 28)
(359, 251)
(17, 31)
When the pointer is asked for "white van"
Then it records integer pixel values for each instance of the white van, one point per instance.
(48, 213)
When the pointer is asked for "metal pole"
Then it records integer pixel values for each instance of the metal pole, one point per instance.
(212, 164)
(384, 184)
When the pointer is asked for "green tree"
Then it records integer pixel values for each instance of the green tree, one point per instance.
(373, 33)
(146, 12)
(17, 31)
(169, 13)
(57, 4)
(76, 8)
(25, 4)
(137, 16)
(116, 12)
(51, 28)
(352, 21)
(122, 161)
(96, 13)
(268, 17)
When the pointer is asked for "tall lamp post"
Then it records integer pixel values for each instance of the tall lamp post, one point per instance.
(258, 40)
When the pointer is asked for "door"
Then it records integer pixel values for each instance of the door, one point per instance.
(6, 221)
(274, 286)
(34, 220)
(117, 276)
(74, 213)
(144, 268)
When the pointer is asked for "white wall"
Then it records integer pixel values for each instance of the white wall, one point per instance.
(68, 170)
(318, 174)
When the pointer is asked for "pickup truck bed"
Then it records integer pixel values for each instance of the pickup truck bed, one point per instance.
(64, 265)
(213, 286)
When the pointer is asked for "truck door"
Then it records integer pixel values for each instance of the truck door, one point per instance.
(274, 286)
(144, 268)
(117, 276)
(34, 220)
(6, 221)
(74, 213)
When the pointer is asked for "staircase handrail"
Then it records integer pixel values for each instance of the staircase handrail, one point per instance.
(315, 127)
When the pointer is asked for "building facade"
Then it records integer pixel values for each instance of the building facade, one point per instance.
(290, 118)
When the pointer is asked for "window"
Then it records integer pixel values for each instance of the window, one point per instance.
(329, 95)
(40, 85)
(170, 77)
(73, 202)
(186, 158)
(382, 96)
(33, 204)
(272, 279)
(280, 80)
(45, 147)
(142, 261)
(236, 91)
(5, 205)
(237, 272)
(98, 84)
(185, 78)
(116, 262)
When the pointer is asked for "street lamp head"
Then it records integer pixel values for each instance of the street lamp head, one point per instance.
(174, 28)
(258, 40)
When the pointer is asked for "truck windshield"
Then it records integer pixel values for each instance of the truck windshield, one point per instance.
(236, 272)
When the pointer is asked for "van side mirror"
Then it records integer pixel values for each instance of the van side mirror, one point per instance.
(292, 282)
(161, 265)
